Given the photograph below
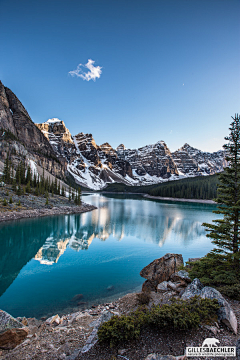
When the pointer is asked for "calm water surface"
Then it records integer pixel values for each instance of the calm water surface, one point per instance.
(45, 262)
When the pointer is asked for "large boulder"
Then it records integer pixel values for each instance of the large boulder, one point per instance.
(225, 313)
(12, 332)
(193, 289)
(161, 269)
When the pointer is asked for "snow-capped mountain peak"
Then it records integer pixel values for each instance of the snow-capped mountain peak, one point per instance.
(94, 166)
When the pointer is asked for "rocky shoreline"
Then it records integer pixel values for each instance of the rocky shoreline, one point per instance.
(74, 336)
(27, 214)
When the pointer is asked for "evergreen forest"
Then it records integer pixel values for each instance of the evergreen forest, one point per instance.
(199, 187)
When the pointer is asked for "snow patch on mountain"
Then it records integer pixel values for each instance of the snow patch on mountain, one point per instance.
(95, 166)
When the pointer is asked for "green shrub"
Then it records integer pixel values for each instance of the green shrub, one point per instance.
(182, 314)
(4, 202)
(118, 329)
(232, 291)
(10, 200)
(179, 315)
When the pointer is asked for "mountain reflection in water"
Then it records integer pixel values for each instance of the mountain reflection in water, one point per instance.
(78, 232)
(47, 239)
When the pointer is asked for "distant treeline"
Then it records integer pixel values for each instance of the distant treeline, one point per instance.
(199, 187)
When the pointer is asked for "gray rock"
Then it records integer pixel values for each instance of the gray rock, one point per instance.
(162, 287)
(171, 286)
(54, 320)
(193, 259)
(193, 289)
(93, 337)
(225, 313)
(181, 275)
(213, 329)
(8, 322)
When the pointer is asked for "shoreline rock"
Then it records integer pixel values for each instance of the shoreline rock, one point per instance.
(27, 214)
(160, 270)
(12, 331)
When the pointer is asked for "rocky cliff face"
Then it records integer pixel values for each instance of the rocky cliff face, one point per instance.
(60, 138)
(6, 119)
(208, 163)
(15, 118)
(151, 161)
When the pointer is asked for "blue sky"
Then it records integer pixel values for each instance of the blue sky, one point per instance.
(146, 50)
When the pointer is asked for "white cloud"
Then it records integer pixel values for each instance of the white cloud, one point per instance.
(93, 73)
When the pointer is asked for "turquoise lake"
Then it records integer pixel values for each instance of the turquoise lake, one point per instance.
(45, 262)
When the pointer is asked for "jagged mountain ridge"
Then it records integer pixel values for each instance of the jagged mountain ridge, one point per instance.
(51, 145)
(95, 165)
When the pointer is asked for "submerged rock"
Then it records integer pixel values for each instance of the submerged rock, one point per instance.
(76, 298)
(110, 288)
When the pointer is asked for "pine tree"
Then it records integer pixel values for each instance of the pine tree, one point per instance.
(29, 175)
(34, 180)
(225, 233)
(14, 187)
(28, 187)
(55, 186)
(22, 172)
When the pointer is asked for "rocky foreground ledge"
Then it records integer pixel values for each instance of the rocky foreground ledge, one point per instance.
(16, 215)
(74, 336)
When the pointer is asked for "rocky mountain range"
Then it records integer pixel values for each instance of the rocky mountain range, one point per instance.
(95, 165)
(51, 145)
